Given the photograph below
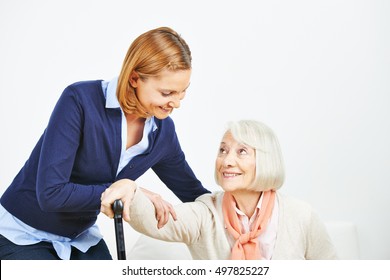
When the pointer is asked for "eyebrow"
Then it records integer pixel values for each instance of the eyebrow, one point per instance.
(239, 143)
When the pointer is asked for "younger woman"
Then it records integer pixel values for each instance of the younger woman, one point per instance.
(99, 133)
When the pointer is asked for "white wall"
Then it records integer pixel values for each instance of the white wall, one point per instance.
(317, 72)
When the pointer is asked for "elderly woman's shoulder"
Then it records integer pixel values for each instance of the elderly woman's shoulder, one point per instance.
(293, 204)
(211, 197)
(211, 200)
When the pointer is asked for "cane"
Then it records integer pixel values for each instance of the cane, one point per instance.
(117, 207)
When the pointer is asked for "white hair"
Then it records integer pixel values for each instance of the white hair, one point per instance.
(270, 171)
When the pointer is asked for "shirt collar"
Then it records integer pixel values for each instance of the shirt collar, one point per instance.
(258, 207)
(111, 99)
(109, 88)
(150, 122)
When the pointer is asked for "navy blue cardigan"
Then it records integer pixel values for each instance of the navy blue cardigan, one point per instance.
(58, 189)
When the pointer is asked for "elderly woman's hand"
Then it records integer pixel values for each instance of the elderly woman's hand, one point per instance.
(162, 207)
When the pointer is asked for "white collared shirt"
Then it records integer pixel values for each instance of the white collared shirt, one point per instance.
(109, 90)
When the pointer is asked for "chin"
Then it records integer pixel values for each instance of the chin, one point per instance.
(161, 117)
(228, 188)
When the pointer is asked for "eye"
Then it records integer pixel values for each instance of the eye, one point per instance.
(242, 151)
(166, 93)
(222, 151)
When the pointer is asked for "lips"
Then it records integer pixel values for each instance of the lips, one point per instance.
(166, 109)
(230, 174)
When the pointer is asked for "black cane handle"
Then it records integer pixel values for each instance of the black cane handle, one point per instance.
(117, 207)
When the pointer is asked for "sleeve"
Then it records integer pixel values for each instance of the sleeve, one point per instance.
(319, 244)
(191, 217)
(176, 173)
(55, 192)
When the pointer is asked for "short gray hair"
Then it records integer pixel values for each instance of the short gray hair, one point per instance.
(270, 171)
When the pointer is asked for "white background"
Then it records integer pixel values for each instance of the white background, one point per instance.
(317, 72)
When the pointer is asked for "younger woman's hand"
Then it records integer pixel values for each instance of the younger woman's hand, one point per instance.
(124, 190)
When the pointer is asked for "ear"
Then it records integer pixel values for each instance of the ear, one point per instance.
(134, 77)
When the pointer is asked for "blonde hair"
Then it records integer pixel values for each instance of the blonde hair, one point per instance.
(149, 54)
(270, 172)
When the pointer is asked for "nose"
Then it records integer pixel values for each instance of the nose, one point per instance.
(228, 160)
(175, 100)
(174, 103)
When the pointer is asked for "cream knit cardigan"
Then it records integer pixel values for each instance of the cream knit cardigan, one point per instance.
(301, 234)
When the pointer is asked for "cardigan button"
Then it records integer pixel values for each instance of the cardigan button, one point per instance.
(131, 166)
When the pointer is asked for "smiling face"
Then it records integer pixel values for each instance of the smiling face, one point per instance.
(160, 95)
(235, 166)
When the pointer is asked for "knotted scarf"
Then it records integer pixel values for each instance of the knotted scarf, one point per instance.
(246, 246)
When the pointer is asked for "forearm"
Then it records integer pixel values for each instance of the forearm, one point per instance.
(178, 176)
(142, 216)
(185, 229)
(71, 197)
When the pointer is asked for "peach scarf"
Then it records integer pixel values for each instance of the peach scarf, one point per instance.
(247, 246)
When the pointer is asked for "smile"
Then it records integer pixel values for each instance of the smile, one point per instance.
(166, 109)
(230, 175)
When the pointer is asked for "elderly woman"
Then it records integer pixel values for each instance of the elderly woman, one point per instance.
(250, 219)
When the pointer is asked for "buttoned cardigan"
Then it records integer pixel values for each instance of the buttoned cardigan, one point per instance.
(58, 189)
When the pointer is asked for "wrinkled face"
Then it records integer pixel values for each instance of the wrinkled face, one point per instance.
(235, 165)
(160, 95)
